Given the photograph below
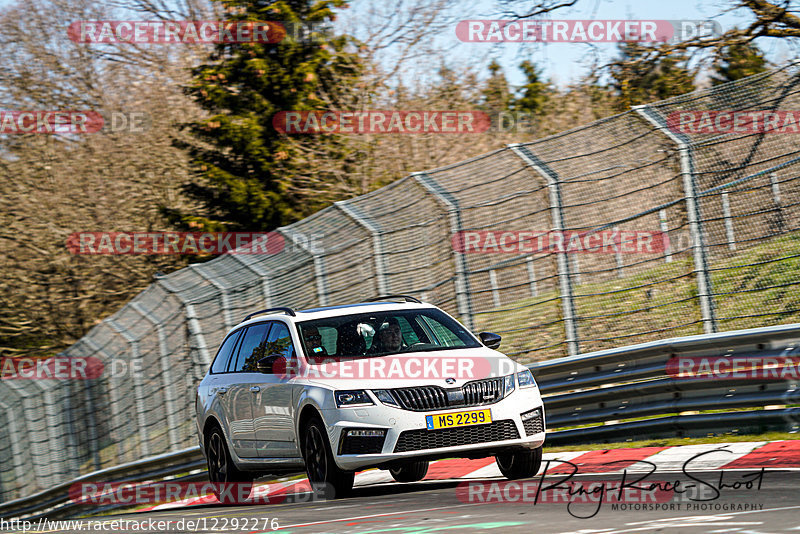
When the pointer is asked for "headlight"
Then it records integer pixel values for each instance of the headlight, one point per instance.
(508, 385)
(357, 397)
(525, 379)
(385, 397)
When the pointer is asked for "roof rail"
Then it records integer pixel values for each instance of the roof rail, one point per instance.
(407, 298)
(287, 311)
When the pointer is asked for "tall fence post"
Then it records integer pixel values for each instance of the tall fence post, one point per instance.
(463, 292)
(377, 241)
(662, 221)
(704, 289)
(16, 444)
(262, 274)
(138, 386)
(531, 275)
(557, 215)
(726, 215)
(320, 273)
(91, 425)
(227, 318)
(167, 380)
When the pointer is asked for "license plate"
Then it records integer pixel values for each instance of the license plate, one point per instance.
(454, 419)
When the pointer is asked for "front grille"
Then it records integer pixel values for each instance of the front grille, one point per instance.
(361, 444)
(421, 398)
(483, 391)
(533, 425)
(417, 440)
(426, 398)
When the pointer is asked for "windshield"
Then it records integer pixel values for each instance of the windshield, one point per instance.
(379, 334)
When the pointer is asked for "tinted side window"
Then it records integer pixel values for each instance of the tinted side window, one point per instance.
(279, 341)
(221, 361)
(251, 349)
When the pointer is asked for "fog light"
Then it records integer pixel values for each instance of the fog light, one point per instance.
(533, 414)
(366, 433)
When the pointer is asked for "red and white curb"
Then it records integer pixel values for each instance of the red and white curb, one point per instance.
(739, 455)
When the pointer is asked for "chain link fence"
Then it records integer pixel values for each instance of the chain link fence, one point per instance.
(727, 202)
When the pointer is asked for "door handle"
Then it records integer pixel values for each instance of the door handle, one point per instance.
(222, 391)
(255, 389)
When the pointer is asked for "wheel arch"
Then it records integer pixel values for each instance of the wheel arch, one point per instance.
(307, 413)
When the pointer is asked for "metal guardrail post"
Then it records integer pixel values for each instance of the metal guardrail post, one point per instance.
(557, 216)
(320, 274)
(463, 291)
(704, 289)
(138, 387)
(377, 241)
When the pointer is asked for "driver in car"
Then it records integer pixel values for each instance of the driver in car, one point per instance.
(389, 337)
(313, 341)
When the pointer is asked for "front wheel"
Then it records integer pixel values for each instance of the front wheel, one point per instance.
(520, 464)
(229, 484)
(325, 477)
(410, 472)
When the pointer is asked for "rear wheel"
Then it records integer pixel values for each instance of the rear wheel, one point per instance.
(326, 479)
(230, 485)
(410, 472)
(520, 464)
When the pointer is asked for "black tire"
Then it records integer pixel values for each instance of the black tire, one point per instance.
(326, 478)
(229, 484)
(520, 464)
(410, 472)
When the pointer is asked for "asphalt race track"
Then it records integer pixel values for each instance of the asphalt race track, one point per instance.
(434, 506)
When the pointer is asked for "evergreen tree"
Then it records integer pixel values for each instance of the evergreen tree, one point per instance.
(535, 92)
(496, 94)
(245, 167)
(638, 80)
(737, 61)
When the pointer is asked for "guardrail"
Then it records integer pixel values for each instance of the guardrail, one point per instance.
(55, 502)
(601, 387)
(632, 382)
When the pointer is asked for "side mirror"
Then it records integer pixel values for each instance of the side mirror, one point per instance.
(269, 364)
(490, 340)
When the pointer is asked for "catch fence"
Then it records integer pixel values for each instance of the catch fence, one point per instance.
(727, 204)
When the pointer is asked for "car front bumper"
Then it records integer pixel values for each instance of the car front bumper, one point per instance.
(507, 430)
